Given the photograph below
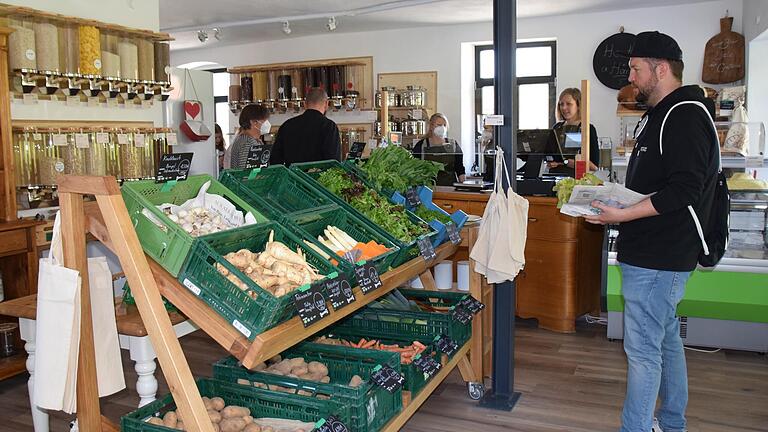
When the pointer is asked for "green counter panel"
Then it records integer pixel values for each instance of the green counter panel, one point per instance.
(709, 294)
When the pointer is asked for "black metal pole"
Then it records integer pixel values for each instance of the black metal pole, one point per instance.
(503, 396)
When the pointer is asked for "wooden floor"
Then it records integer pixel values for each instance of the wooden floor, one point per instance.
(568, 383)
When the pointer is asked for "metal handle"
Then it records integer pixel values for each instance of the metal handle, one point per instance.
(531, 219)
(448, 206)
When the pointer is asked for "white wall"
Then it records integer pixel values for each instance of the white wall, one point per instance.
(439, 48)
(755, 18)
(142, 14)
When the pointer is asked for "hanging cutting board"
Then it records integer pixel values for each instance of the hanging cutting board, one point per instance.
(609, 64)
(724, 56)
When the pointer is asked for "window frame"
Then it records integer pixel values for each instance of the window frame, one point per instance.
(217, 99)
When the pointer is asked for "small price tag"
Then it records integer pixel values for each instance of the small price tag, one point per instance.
(112, 103)
(339, 291)
(171, 139)
(173, 166)
(73, 101)
(258, 156)
(331, 424)
(60, 140)
(412, 197)
(122, 138)
(310, 304)
(356, 151)
(367, 277)
(425, 249)
(446, 345)
(471, 304)
(37, 136)
(453, 233)
(93, 102)
(81, 140)
(387, 378)
(29, 98)
(139, 140)
(427, 364)
(102, 138)
(459, 314)
(754, 161)
(494, 120)
(416, 114)
(160, 136)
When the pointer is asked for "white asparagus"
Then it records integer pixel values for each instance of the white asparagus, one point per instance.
(317, 249)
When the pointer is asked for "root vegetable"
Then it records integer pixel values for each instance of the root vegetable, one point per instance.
(214, 415)
(243, 381)
(170, 419)
(276, 359)
(180, 426)
(355, 381)
(299, 370)
(248, 419)
(325, 380)
(253, 427)
(218, 403)
(317, 367)
(235, 411)
(234, 424)
(297, 362)
(156, 421)
(260, 367)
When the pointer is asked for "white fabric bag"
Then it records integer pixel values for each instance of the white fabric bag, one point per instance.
(737, 139)
(109, 366)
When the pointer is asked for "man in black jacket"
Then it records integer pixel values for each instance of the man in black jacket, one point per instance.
(676, 159)
(309, 137)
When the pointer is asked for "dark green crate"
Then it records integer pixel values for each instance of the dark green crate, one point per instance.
(408, 250)
(422, 326)
(371, 407)
(171, 245)
(309, 225)
(275, 191)
(249, 315)
(262, 403)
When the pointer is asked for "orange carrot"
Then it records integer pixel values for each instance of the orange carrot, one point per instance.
(419, 345)
(369, 344)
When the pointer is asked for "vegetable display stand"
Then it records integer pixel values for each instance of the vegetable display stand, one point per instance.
(275, 191)
(261, 403)
(459, 218)
(311, 171)
(253, 308)
(163, 239)
(370, 406)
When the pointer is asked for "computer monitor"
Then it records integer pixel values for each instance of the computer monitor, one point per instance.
(533, 141)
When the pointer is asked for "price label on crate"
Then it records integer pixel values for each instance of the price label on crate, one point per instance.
(310, 304)
(427, 364)
(453, 233)
(339, 291)
(425, 249)
(367, 277)
(173, 166)
(446, 345)
(356, 151)
(412, 197)
(387, 378)
(471, 304)
(258, 156)
(461, 315)
(139, 140)
(81, 140)
(331, 424)
(102, 138)
(122, 138)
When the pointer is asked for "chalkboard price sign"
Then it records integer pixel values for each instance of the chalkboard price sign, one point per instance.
(427, 364)
(461, 315)
(453, 233)
(610, 62)
(412, 196)
(331, 424)
(356, 151)
(446, 345)
(387, 378)
(367, 277)
(471, 304)
(173, 166)
(310, 304)
(258, 156)
(425, 249)
(339, 292)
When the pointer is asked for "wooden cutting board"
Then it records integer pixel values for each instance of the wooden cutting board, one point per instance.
(724, 56)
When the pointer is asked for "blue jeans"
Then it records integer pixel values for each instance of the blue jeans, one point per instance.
(655, 355)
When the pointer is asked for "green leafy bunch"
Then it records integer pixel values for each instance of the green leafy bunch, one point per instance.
(394, 168)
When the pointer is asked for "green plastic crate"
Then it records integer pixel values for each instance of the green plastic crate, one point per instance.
(249, 314)
(422, 326)
(309, 225)
(371, 407)
(262, 403)
(408, 250)
(275, 191)
(170, 246)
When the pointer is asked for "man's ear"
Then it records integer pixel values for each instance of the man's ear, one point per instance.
(663, 70)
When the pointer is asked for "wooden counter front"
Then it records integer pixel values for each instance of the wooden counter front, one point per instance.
(561, 279)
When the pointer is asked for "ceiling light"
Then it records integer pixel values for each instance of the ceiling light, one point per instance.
(286, 28)
(202, 36)
(331, 23)
(217, 33)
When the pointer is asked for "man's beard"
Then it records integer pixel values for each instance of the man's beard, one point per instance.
(644, 93)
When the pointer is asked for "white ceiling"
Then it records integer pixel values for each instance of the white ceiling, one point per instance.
(243, 21)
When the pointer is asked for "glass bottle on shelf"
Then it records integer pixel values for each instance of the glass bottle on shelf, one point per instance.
(146, 53)
(24, 157)
(97, 156)
(130, 157)
(235, 90)
(162, 62)
(112, 148)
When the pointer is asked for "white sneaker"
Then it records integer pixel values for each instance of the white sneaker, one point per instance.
(656, 427)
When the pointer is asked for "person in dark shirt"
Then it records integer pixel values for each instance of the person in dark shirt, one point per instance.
(308, 137)
(436, 142)
(569, 120)
(676, 159)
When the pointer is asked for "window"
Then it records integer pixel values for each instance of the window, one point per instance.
(221, 100)
(535, 67)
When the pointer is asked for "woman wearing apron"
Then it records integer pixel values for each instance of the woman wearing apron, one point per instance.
(436, 146)
(569, 122)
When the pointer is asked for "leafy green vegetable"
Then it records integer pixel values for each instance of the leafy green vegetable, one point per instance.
(392, 218)
(430, 215)
(394, 168)
(564, 187)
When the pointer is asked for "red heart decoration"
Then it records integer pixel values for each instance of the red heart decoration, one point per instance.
(192, 108)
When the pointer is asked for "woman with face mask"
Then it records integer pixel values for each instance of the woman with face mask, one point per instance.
(254, 122)
(569, 122)
(434, 143)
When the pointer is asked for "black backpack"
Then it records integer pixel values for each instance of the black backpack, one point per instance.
(714, 237)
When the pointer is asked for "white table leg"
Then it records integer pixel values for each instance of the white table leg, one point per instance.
(39, 416)
(144, 355)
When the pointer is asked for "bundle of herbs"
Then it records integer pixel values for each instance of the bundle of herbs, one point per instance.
(392, 218)
(430, 215)
(394, 168)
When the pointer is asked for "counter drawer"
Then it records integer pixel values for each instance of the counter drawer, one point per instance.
(452, 205)
(11, 241)
(547, 223)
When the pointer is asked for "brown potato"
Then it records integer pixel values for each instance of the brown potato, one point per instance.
(156, 421)
(299, 370)
(297, 361)
(248, 419)
(326, 379)
(170, 419)
(218, 403)
(317, 367)
(243, 381)
(180, 426)
(207, 403)
(355, 381)
(253, 427)
(214, 415)
(235, 411)
(233, 424)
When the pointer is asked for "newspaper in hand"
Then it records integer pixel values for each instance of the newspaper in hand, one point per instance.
(610, 194)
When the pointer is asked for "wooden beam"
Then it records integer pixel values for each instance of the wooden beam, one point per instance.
(73, 246)
(153, 313)
(104, 185)
(476, 290)
(428, 281)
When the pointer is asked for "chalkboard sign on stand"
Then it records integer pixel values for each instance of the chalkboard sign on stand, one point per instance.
(258, 156)
(173, 166)
(610, 63)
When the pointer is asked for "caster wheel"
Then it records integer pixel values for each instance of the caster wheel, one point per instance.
(476, 390)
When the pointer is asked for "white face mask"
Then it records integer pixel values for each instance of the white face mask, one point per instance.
(441, 131)
(265, 127)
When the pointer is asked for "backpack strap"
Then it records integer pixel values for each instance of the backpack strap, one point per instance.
(696, 221)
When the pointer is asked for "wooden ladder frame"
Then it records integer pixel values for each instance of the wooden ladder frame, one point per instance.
(119, 233)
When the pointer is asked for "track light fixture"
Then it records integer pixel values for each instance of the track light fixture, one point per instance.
(217, 33)
(331, 23)
(286, 27)
(202, 36)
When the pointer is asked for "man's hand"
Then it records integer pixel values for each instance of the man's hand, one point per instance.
(608, 215)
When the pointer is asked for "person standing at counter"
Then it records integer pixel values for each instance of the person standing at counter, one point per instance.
(254, 122)
(310, 136)
(436, 142)
(660, 238)
(569, 120)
